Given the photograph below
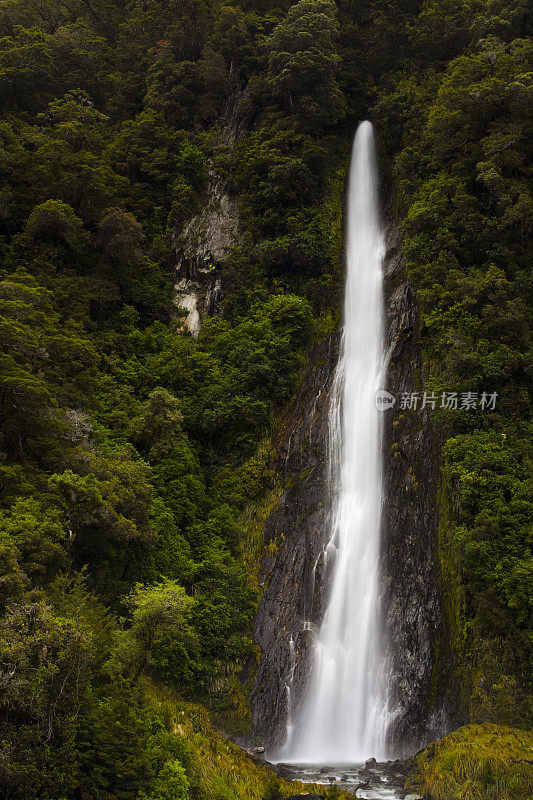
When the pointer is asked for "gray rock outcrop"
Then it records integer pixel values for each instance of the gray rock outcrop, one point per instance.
(200, 248)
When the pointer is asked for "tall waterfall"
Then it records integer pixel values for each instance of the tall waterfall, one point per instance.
(344, 715)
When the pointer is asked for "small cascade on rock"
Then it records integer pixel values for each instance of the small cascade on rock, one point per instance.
(344, 715)
(288, 689)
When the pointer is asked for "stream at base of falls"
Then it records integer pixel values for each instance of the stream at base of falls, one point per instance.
(382, 781)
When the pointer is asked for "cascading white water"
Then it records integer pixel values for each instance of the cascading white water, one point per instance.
(344, 717)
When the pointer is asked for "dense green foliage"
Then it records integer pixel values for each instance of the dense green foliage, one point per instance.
(457, 127)
(128, 448)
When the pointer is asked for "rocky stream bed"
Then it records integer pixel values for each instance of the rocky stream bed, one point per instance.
(369, 781)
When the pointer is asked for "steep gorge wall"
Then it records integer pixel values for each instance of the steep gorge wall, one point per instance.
(412, 585)
(296, 531)
(294, 538)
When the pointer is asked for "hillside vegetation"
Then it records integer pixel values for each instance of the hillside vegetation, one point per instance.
(477, 762)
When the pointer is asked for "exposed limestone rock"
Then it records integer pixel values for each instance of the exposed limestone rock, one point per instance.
(188, 294)
(200, 247)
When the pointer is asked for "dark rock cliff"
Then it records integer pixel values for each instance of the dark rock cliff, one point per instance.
(412, 593)
(296, 532)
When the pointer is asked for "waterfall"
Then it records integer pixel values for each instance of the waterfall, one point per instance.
(344, 716)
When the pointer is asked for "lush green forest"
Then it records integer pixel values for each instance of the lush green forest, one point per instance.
(130, 450)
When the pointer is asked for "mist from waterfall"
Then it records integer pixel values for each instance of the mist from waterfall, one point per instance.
(344, 716)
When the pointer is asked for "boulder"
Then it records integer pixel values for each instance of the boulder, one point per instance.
(306, 796)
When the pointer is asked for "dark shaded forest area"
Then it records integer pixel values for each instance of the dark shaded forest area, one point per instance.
(129, 450)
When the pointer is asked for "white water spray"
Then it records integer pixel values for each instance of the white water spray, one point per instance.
(344, 716)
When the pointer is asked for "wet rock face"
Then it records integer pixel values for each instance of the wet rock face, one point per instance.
(297, 531)
(411, 573)
(200, 248)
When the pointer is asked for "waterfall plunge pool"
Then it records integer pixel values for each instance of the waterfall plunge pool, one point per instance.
(383, 781)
